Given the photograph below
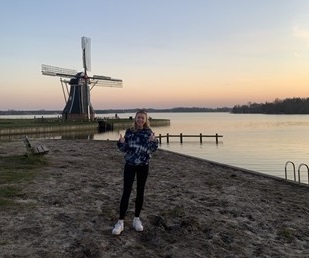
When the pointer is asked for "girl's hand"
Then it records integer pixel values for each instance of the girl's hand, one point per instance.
(121, 139)
(152, 137)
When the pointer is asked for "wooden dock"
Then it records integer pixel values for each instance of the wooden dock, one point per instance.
(109, 124)
(181, 136)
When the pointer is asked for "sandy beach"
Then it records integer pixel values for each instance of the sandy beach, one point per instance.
(193, 208)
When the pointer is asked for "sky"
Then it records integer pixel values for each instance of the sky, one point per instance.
(169, 53)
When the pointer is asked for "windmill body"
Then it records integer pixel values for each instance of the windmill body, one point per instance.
(76, 86)
(78, 105)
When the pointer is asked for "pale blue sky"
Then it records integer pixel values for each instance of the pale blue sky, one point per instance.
(205, 53)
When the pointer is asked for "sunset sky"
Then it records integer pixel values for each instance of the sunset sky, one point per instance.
(169, 53)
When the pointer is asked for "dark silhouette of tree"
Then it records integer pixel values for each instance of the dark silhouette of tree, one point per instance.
(286, 106)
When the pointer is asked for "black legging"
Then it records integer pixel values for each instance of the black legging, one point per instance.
(128, 179)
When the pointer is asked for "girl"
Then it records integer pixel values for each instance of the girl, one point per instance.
(138, 144)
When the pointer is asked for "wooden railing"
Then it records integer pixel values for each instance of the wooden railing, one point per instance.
(181, 136)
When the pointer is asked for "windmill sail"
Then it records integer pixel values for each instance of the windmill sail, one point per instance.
(57, 71)
(86, 47)
(115, 83)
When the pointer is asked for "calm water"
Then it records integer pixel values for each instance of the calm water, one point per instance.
(262, 143)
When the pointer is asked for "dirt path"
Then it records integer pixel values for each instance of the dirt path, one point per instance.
(193, 208)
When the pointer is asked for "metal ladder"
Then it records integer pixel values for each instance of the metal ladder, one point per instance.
(294, 172)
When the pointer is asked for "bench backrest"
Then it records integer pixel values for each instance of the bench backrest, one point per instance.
(35, 150)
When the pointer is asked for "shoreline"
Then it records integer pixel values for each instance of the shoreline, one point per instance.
(193, 208)
(245, 170)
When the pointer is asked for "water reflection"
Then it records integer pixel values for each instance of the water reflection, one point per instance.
(74, 135)
(90, 134)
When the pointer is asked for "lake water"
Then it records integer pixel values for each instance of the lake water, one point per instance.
(258, 142)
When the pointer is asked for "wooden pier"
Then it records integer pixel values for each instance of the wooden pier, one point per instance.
(181, 136)
(109, 124)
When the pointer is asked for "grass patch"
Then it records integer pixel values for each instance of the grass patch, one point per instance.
(15, 170)
(7, 195)
(177, 211)
(9, 191)
(286, 234)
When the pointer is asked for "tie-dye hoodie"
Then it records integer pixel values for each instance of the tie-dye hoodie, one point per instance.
(137, 146)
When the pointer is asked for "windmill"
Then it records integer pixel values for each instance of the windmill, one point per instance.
(78, 105)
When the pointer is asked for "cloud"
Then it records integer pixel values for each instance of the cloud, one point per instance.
(297, 54)
(301, 33)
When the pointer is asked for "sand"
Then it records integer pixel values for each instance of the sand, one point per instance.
(193, 208)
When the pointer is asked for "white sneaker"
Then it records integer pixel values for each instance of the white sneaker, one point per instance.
(137, 224)
(118, 228)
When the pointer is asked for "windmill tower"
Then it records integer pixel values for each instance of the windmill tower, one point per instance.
(77, 98)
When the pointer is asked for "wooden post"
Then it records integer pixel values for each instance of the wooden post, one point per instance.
(160, 140)
(217, 141)
(201, 138)
(180, 137)
(167, 138)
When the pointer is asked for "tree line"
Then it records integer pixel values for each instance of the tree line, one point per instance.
(286, 106)
(106, 111)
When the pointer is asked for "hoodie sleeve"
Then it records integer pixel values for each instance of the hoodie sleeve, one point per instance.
(123, 146)
(153, 145)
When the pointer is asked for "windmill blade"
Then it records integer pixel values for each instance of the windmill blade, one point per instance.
(101, 77)
(86, 47)
(110, 82)
(57, 71)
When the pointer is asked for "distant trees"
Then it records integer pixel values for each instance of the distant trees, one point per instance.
(119, 111)
(286, 106)
(167, 110)
(30, 112)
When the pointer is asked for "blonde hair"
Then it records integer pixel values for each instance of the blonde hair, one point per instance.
(144, 112)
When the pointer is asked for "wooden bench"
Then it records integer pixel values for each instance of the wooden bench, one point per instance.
(35, 150)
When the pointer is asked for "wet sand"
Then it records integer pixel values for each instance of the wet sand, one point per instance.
(193, 208)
